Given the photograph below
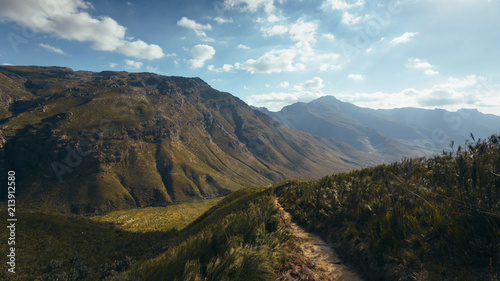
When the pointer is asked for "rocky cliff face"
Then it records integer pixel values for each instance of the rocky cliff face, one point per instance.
(89, 142)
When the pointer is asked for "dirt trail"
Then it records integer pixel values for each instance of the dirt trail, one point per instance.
(323, 255)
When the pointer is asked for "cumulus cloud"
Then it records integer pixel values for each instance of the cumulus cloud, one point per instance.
(407, 36)
(52, 49)
(356, 76)
(454, 93)
(272, 62)
(200, 54)
(341, 4)
(193, 25)
(69, 19)
(133, 64)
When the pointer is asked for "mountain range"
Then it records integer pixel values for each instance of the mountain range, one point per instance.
(388, 134)
(87, 142)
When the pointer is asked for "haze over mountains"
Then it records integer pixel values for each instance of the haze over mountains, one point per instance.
(89, 142)
(389, 134)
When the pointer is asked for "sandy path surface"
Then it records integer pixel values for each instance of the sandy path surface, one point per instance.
(323, 255)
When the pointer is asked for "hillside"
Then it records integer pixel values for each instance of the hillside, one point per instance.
(87, 142)
(417, 219)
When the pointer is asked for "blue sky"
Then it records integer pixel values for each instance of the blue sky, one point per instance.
(378, 54)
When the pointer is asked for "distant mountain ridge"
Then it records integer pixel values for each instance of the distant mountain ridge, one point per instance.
(88, 142)
(391, 133)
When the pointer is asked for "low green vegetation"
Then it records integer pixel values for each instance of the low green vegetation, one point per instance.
(418, 219)
(238, 239)
(175, 216)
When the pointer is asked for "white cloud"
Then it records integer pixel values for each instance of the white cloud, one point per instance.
(52, 49)
(314, 84)
(193, 25)
(112, 64)
(418, 63)
(133, 64)
(220, 20)
(225, 68)
(6, 63)
(200, 54)
(284, 84)
(69, 19)
(407, 36)
(243, 47)
(341, 4)
(356, 76)
(431, 72)
(274, 18)
(272, 62)
(140, 49)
